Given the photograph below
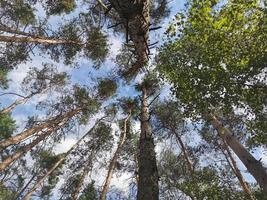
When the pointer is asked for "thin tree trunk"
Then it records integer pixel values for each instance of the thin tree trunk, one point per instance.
(136, 169)
(36, 40)
(112, 164)
(185, 152)
(19, 137)
(20, 101)
(148, 188)
(19, 193)
(29, 194)
(87, 168)
(13, 105)
(254, 166)
(35, 187)
(237, 172)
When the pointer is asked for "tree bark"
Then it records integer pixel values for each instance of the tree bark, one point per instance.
(254, 166)
(136, 19)
(237, 172)
(36, 40)
(112, 164)
(19, 137)
(185, 152)
(148, 188)
(28, 195)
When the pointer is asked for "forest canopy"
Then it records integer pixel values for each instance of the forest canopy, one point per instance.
(131, 99)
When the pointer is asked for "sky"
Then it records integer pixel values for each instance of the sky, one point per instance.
(85, 74)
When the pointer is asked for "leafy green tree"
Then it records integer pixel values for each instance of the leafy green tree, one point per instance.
(213, 66)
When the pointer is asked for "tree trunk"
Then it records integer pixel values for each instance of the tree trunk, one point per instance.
(36, 40)
(19, 193)
(185, 152)
(19, 137)
(254, 166)
(5, 163)
(112, 164)
(237, 172)
(148, 188)
(135, 18)
(28, 195)
(13, 105)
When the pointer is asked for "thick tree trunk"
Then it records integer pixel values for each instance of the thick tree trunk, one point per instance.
(87, 168)
(254, 166)
(13, 105)
(54, 122)
(113, 162)
(135, 18)
(237, 172)
(185, 152)
(36, 40)
(148, 188)
(28, 195)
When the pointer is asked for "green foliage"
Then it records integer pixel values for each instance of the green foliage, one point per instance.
(96, 46)
(106, 88)
(47, 159)
(3, 79)
(204, 184)
(57, 7)
(150, 83)
(216, 56)
(17, 11)
(38, 80)
(6, 193)
(7, 126)
(159, 10)
(89, 193)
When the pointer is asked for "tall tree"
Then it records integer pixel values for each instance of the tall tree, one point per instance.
(207, 79)
(148, 173)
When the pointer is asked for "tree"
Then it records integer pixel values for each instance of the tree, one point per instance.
(148, 174)
(116, 154)
(38, 82)
(212, 68)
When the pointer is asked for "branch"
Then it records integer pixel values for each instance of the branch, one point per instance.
(12, 93)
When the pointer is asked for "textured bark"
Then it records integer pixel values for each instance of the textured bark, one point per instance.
(254, 166)
(40, 181)
(135, 18)
(237, 172)
(185, 152)
(148, 188)
(113, 161)
(19, 137)
(36, 40)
